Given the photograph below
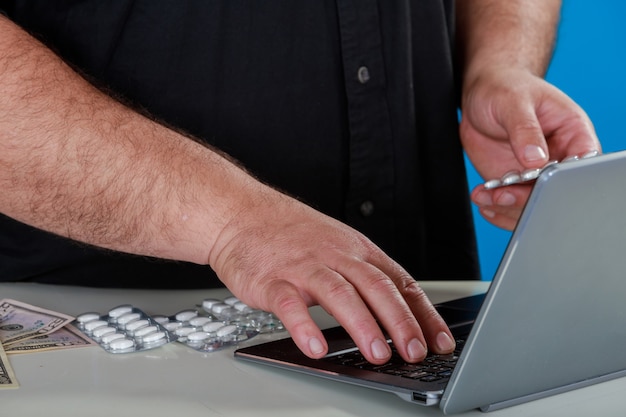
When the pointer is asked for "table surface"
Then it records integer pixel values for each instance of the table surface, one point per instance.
(175, 380)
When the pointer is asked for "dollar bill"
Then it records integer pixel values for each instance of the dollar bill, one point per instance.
(20, 321)
(7, 376)
(64, 338)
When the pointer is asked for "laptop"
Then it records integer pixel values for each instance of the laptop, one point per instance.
(552, 320)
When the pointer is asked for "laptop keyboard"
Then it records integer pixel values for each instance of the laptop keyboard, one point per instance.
(433, 368)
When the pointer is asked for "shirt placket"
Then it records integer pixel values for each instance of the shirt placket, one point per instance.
(369, 202)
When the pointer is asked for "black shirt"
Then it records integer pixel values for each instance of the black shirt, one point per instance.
(351, 106)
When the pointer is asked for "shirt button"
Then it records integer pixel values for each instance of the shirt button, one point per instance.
(367, 208)
(363, 74)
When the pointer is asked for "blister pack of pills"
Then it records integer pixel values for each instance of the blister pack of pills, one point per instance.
(216, 324)
(529, 175)
(124, 329)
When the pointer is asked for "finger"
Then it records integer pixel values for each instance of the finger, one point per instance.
(502, 206)
(344, 302)
(400, 306)
(526, 135)
(287, 304)
(504, 220)
(432, 326)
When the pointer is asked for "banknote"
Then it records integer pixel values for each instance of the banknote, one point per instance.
(64, 338)
(7, 377)
(20, 321)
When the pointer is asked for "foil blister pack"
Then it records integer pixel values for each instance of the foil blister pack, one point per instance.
(529, 175)
(215, 324)
(212, 325)
(124, 329)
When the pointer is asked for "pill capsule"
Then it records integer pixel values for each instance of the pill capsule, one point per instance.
(494, 183)
(212, 327)
(111, 337)
(154, 337)
(184, 331)
(160, 319)
(219, 307)
(121, 344)
(172, 326)
(242, 307)
(530, 174)
(512, 177)
(145, 331)
(120, 311)
(231, 300)
(124, 319)
(186, 315)
(227, 330)
(94, 324)
(85, 317)
(104, 330)
(197, 336)
(208, 303)
(137, 324)
(199, 321)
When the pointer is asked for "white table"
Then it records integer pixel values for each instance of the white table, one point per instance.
(176, 381)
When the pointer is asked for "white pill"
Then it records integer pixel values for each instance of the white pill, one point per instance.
(104, 330)
(512, 177)
(137, 324)
(231, 300)
(120, 311)
(172, 325)
(530, 174)
(92, 325)
(127, 318)
(186, 315)
(209, 302)
(85, 317)
(197, 336)
(226, 330)
(495, 183)
(145, 331)
(153, 337)
(184, 331)
(199, 321)
(242, 307)
(160, 319)
(111, 337)
(121, 344)
(218, 308)
(213, 326)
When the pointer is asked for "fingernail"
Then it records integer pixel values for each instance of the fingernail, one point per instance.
(488, 213)
(416, 350)
(483, 199)
(505, 199)
(316, 346)
(380, 349)
(534, 153)
(444, 342)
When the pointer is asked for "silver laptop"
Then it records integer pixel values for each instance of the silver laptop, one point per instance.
(553, 319)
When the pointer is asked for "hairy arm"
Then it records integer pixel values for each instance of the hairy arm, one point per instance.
(512, 118)
(511, 33)
(75, 162)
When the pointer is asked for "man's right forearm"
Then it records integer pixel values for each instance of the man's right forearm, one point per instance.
(77, 163)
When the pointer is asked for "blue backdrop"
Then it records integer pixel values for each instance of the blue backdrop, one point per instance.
(589, 65)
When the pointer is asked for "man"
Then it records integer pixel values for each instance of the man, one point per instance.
(211, 109)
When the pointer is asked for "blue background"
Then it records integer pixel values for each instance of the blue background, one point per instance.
(589, 65)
